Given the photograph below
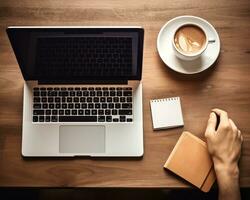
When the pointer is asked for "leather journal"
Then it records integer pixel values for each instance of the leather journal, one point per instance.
(191, 161)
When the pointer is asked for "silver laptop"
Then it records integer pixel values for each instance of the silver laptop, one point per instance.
(82, 90)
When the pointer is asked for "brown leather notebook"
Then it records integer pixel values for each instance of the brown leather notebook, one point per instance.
(191, 161)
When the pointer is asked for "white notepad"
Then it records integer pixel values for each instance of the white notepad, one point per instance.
(166, 113)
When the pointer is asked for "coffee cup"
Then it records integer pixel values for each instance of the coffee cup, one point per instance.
(189, 41)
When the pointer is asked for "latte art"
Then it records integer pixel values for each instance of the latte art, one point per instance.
(190, 39)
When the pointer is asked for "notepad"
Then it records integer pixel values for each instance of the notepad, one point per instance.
(166, 113)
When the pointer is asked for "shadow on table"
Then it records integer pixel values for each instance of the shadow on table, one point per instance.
(109, 194)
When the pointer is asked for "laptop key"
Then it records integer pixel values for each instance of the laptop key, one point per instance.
(89, 99)
(50, 99)
(99, 93)
(82, 99)
(94, 112)
(72, 93)
(84, 105)
(57, 99)
(37, 106)
(77, 118)
(43, 93)
(64, 93)
(122, 99)
(50, 93)
(115, 120)
(102, 99)
(127, 93)
(36, 99)
(107, 112)
(101, 119)
(45, 106)
(85, 93)
(127, 105)
(67, 112)
(117, 105)
(97, 105)
(80, 112)
(41, 118)
(114, 112)
(125, 112)
(111, 105)
(48, 112)
(79, 93)
(44, 99)
(100, 112)
(112, 93)
(74, 112)
(104, 105)
(69, 99)
(109, 99)
(108, 118)
(38, 112)
(122, 118)
(119, 93)
(54, 112)
(92, 93)
(116, 99)
(54, 118)
(129, 119)
(47, 119)
(76, 99)
(105, 93)
(61, 112)
(96, 99)
(35, 118)
(87, 112)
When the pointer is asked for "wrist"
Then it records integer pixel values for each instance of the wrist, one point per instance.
(231, 170)
(228, 173)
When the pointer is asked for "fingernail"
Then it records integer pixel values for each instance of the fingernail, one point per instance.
(211, 114)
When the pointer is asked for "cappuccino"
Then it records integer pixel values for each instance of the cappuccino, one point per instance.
(190, 39)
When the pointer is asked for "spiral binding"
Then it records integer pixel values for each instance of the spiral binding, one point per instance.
(165, 99)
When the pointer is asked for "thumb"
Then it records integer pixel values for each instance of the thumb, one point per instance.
(211, 124)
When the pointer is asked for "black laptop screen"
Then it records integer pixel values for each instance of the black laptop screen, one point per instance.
(78, 54)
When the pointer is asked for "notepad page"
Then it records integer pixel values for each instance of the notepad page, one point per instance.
(166, 113)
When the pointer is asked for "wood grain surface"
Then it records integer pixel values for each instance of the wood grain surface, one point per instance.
(226, 85)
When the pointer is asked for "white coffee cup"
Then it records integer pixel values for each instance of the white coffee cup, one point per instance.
(190, 56)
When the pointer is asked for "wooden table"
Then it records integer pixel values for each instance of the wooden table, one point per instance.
(226, 85)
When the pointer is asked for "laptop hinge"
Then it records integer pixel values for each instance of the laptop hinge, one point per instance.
(106, 82)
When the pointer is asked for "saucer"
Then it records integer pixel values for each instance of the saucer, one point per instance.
(167, 54)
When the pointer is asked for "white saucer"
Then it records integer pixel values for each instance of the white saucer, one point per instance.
(166, 51)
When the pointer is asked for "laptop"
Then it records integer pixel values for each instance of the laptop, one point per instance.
(82, 91)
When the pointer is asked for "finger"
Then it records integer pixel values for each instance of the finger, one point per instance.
(224, 121)
(234, 127)
(211, 124)
(238, 134)
(241, 137)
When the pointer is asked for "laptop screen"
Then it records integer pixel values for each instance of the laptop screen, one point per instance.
(78, 54)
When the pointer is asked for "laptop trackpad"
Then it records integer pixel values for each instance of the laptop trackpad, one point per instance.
(81, 139)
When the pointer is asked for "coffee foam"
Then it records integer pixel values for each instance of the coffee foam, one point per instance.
(190, 39)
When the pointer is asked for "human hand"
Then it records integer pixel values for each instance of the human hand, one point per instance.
(224, 144)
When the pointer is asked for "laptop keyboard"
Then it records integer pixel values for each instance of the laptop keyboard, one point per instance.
(82, 104)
